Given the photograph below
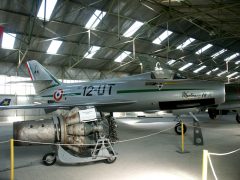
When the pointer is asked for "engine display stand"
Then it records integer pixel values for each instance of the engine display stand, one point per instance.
(103, 151)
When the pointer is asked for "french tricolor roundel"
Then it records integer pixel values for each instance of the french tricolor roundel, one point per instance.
(58, 94)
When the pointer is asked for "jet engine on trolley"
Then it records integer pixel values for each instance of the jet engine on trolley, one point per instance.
(78, 135)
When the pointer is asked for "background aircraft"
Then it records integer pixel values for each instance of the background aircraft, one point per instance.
(232, 102)
(5, 102)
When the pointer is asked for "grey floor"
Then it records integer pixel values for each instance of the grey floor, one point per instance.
(154, 157)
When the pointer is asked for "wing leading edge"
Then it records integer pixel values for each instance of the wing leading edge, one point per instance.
(61, 105)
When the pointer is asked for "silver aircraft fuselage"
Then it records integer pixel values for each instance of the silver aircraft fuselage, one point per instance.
(136, 94)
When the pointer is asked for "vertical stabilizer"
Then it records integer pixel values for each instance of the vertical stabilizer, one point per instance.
(41, 77)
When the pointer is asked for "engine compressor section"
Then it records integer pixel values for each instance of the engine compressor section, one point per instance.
(79, 135)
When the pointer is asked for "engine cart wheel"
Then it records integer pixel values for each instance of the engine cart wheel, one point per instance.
(49, 159)
(178, 128)
(110, 160)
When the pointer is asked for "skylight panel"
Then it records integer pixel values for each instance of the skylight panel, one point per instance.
(203, 49)
(171, 61)
(133, 29)
(186, 43)
(185, 66)
(218, 53)
(95, 19)
(209, 72)
(213, 70)
(199, 69)
(54, 46)
(237, 77)
(162, 37)
(237, 62)
(231, 57)
(49, 9)
(91, 51)
(8, 40)
(122, 56)
(232, 74)
(221, 73)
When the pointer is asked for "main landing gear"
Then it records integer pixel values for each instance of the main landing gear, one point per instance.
(178, 128)
(197, 132)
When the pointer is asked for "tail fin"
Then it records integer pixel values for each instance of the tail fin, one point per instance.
(5, 102)
(41, 77)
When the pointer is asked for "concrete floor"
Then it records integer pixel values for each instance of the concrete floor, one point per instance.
(154, 157)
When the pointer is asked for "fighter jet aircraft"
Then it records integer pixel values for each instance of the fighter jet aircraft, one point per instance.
(142, 92)
(134, 93)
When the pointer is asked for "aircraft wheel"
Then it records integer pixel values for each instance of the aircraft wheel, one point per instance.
(238, 118)
(49, 159)
(212, 114)
(178, 128)
(110, 160)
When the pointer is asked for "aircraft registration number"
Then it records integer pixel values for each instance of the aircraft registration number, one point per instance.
(99, 90)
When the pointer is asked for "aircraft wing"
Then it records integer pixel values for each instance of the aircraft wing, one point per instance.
(63, 105)
(229, 106)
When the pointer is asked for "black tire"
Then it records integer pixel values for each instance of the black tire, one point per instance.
(49, 159)
(238, 118)
(178, 129)
(212, 114)
(110, 160)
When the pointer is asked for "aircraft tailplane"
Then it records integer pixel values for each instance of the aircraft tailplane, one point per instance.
(42, 79)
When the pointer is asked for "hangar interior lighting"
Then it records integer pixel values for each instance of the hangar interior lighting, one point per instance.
(133, 29)
(221, 73)
(231, 57)
(200, 51)
(232, 74)
(186, 43)
(54, 46)
(122, 56)
(49, 9)
(91, 51)
(171, 61)
(95, 19)
(162, 37)
(199, 69)
(218, 53)
(185, 66)
(8, 40)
